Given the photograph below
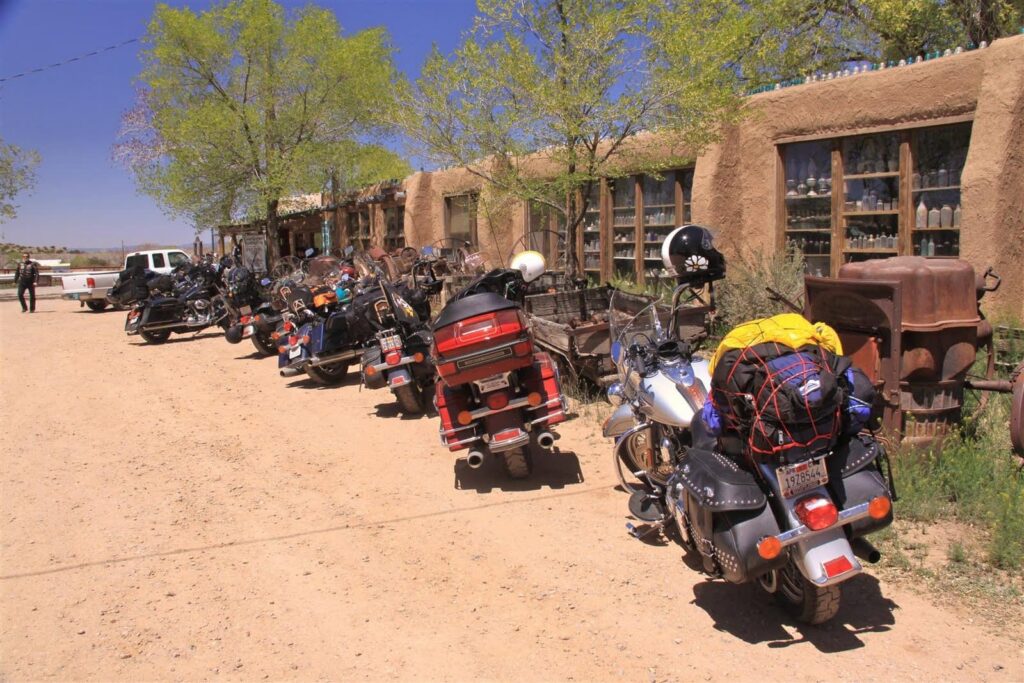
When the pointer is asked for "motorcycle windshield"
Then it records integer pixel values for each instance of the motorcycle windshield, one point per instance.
(633, 320)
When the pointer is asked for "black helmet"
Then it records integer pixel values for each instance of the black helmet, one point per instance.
(689, 253)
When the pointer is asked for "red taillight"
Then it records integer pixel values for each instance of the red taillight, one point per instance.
(522, 348)
(287, 326)
(90, 282)
(817, 512)
(393, 358)
(293, 340)
(497, 400)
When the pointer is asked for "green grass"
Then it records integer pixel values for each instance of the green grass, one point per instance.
(971, 478)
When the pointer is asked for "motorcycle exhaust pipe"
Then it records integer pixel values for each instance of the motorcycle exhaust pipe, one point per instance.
(545, 440)
(334, 358)
(865, 551)
(290, 372)
(475, 459)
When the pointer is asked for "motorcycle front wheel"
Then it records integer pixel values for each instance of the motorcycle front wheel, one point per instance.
(328, 375)
(155, 336)
(803, 600)
(265, 346)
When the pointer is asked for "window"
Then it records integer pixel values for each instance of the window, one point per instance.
(591, 228)
(892, 193)
(461, 217)
(176, 258)
(136, 260)
(545, 232)
(623, 191)
(158, 260)
(808, 204)
(663, 197)
(394, 227)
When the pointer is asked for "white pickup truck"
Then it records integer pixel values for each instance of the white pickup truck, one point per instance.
(90, 289)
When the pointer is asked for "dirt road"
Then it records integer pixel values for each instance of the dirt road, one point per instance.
(182, 512)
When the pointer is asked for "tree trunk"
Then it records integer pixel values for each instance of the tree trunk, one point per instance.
(273, 244)
(336, 237)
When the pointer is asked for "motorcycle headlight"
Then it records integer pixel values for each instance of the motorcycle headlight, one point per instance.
(615, 394)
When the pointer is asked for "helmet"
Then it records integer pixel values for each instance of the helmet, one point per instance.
(530, 263)
(689, 253)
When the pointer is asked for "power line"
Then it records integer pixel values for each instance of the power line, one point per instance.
(69, 61)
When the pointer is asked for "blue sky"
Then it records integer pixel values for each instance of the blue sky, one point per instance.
(72, 113)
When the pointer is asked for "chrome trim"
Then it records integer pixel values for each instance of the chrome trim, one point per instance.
(380, 367)
(803, 532)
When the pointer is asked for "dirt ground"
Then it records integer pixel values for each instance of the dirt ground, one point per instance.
(182, 512)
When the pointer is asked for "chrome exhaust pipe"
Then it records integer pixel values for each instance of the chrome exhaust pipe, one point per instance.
(335, 357)
(545, 440)
(290, 372)
(475, 459)
(865, 551)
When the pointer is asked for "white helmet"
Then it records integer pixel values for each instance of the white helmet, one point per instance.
(530, 263)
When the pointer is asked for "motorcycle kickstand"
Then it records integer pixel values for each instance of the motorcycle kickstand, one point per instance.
(641, 535)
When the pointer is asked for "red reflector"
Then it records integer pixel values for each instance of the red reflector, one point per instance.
(90, 282)
(393, 358)
(497, 401)
(838, 566)
(293, 340)
(817, 512)
(522, 348)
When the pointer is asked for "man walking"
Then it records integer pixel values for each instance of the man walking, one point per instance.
(27, 275)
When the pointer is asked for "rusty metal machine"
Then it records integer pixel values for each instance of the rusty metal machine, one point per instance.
(914, 326)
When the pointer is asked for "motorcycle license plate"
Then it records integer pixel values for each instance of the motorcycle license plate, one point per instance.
(392, 342)
(492, 383)
(801, 477)
(295, 352)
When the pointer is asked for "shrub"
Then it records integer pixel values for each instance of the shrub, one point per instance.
(743, 296)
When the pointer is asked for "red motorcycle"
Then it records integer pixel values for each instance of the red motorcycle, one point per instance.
(497, 394)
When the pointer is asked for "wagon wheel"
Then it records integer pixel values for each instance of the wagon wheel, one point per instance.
(454, 251)
(285, 266)
(1017, 413)
(975, 400)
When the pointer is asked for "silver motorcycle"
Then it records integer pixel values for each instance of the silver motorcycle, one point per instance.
(796, 529)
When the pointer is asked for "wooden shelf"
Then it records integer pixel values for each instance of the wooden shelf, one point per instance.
(944, 188)
(870, 176)
(801, 197)
(659, 206)
(869, 251)
(884, 212)
(935, 229)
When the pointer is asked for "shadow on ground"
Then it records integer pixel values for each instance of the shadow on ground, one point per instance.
(750, 614)
(555, 469)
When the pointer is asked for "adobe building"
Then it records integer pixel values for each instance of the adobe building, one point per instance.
(923, 159)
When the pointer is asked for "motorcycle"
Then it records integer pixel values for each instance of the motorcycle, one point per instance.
(250, 312)
(498, 395)
(196, 305)
(399, 356)
(796, 526)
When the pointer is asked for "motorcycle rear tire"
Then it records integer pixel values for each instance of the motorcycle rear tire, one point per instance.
(518, 463)
(805, 601)
(96, 306)
(155, 336)
(265, 346)
(410, 399)
(328, 376)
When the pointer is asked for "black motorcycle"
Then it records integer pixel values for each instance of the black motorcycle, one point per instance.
(195, 304)
(250, 311)
(399, 355)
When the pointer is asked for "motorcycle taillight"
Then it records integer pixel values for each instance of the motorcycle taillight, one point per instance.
(479, 329)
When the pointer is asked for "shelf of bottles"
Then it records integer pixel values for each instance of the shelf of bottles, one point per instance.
(659, 218)
(359, 228)
(592, 234)
(939, 155)
(870, 202)
(808, 168)
(394, 228)
(623, 229)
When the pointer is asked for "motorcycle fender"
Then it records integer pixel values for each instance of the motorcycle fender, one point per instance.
(505, 430)
(399, 378)
(618, 422)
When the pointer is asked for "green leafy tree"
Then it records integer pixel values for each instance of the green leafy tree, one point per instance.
(244, 104)
(543, 98)
(17, 174)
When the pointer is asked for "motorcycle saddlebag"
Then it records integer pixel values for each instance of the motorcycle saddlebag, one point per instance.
(161, 310)
(542, 377)
(449, 402)
(378, 380)
(728, 513)
(859, 484)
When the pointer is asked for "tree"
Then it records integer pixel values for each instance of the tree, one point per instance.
(17, 174)
(545, 97)
(244, 104)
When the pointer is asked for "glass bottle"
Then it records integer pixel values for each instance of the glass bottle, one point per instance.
(922, 215)
(956, 216)
(946, 216)
(934, 217)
